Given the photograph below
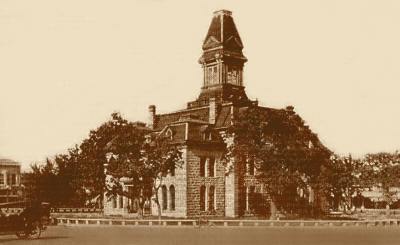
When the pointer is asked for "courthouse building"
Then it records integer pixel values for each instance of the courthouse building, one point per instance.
(202, 185)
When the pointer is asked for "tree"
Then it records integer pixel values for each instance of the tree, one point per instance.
(340, 180)
(69, 176)
(382, 170)
(41, 183)
(142, 157)
(138, 155)
(287, 155)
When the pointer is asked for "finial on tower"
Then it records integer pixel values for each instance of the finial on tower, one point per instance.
(222, 12)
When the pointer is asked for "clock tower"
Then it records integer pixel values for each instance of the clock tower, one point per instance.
(222, 62)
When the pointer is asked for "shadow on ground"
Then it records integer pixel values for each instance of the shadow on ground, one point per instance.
(10, 238)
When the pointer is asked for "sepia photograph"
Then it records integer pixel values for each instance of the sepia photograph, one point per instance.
(200, 122)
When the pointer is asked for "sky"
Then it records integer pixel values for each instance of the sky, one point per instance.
(66, 65)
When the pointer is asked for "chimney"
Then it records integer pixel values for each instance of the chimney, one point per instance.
(152, 115)
(213, 111)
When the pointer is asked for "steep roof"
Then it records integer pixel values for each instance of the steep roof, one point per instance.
(223, 32)
(198, 114)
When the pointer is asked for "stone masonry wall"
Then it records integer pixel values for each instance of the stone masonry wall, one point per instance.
(179, 182)
(195, 181)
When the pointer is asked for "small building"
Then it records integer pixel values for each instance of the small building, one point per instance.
(10, 185)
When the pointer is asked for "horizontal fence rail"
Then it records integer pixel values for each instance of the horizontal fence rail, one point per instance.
(76, 210)
(227, 223)
(12, 210)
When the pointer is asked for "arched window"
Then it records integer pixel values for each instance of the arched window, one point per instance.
(202, 198)
(211, 167)
(121, 201)
(114, 202)
(211, 198)
(164, 197)
(250, 198)
(202, 166)
(251, 167)
(172, 198)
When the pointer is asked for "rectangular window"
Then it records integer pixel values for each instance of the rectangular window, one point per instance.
(9, 179)
(14, 179)
(215, 75)
(1, 179)
(209, 75)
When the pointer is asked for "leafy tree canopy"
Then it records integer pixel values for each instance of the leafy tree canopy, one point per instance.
(286, 153)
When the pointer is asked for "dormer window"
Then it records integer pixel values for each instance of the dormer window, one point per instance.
(169, 134)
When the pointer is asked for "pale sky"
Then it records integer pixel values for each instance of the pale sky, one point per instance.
(65, 66)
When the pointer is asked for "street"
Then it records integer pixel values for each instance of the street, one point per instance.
(213, 235)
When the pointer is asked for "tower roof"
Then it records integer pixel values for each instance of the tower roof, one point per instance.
(222, 61)
(223, 33)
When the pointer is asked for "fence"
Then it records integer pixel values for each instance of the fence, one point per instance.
(11, 210)
(76, 210)
(227, 223)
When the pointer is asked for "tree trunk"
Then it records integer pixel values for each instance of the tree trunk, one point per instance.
(158, 204)
(101, 201)
(138, 206)
(388, 198)
(387, 210)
